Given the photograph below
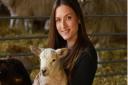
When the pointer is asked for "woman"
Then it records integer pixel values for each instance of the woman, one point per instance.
(68, 30)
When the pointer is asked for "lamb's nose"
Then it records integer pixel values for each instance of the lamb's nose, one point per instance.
(44, 72)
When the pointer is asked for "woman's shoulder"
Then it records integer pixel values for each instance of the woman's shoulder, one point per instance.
(88, 53)
(89, 50)
(87, 59)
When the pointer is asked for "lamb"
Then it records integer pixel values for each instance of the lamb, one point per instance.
(51, 66)
(27, 8)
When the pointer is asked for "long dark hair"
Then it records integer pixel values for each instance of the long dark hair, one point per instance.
(56, 41)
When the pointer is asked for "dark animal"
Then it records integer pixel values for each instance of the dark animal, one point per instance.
(13, 72)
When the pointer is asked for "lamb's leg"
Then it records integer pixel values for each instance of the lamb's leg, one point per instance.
(27, 24)
(12, 21)
(46, 25)
(18, 23)
(97, 45)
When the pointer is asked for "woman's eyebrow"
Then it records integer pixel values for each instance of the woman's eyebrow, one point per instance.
(69, 13)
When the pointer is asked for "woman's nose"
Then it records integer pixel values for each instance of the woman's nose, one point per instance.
(63, 24)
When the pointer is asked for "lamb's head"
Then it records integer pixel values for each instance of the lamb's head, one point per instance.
(50, 59)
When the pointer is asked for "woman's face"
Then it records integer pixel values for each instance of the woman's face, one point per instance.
(66, 22)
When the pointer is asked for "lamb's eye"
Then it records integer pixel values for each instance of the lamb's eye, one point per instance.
(53, 60)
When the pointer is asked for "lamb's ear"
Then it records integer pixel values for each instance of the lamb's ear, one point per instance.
(62, 52)
(35, 50)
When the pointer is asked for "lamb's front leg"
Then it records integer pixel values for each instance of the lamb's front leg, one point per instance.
(11, 25)
(12, 21)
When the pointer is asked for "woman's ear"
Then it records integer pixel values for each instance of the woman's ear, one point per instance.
(62, 52)
(35, 50)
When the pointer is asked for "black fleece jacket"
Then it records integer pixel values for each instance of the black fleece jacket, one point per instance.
(85, 67)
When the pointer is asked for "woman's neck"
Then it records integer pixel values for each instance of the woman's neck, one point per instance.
(71, 42)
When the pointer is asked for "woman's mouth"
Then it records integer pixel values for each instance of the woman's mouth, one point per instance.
(65, 31)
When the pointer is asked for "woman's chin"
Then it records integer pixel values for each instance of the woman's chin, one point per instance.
(65, 38)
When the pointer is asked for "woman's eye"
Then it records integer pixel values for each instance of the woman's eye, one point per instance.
(69, 17)
(57, 20)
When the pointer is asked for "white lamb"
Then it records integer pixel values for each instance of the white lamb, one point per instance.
(25, 8)
(51, 67)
